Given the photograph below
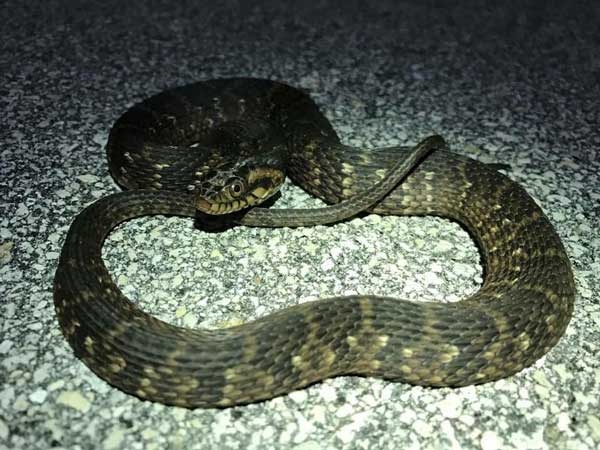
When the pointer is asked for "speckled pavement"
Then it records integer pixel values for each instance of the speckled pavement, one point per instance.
(511, 84)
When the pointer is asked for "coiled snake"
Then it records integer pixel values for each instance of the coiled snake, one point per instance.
(223, 145)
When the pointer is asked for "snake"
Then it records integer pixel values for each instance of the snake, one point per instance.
(221, 148)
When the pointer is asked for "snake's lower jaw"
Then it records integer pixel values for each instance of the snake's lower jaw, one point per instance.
(226, 206)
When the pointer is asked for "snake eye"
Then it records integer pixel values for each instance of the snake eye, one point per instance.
(236, 188)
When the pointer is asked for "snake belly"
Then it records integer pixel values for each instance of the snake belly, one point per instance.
(519, 313)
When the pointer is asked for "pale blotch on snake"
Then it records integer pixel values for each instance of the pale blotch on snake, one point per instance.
(221, 145)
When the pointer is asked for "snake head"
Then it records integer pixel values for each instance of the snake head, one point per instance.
(230, 191)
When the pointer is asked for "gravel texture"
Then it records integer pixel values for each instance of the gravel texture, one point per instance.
(515, 84)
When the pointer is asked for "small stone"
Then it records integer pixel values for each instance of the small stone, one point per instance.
(542, 391)
(467, 420)
(7, 395)
(6, 252)
(177, 280)
(563, 421)
(298, 397)
(443, 246)
(268, 432)
(562, 372)
(450, 407)
(540, 378)
(122, 280)
(431, 278)
(305, 428)
(594, 424)
(422, 428)
(38, 396)
(190, 320)
(87, 178)
(216, 254)
(319, 414)
(5, 346)
(327, 265)
(20, 404)
(346, 433)
(490, 441)
(22, 210)
(336, 252)
(407, 416)
(310, 248)
(344, 411)
(3, 430)
(74, 400)
(51, 256)
(114, 438)
(259, 253)
(58, 384)
(100, 139)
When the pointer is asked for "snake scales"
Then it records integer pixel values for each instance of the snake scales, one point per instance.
(225, 144)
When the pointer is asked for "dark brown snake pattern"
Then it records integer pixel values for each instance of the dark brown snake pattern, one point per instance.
(519, 313)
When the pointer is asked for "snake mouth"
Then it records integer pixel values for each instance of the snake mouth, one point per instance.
(259, 185)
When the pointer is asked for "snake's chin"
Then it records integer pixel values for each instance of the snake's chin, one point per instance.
(263, 184)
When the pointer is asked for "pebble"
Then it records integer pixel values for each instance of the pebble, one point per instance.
(114, 438)
(3, 430)
(5, 346)
(298, 396)
(490, 441)
(346, 433)
(540, 378)
(422, 428)
(75, 400)
(563, 420)
(22, 210)
(345, 410)
(450, 407)
(6, 252)
(327, 265)
(594, 424)
(319, 413)
(21, 404)
(562, 372)
(88, 178)
(328, 393)
(38, 396)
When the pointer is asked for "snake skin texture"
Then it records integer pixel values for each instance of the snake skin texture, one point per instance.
(519, 313)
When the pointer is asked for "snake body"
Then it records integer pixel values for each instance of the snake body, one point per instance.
(520, 312)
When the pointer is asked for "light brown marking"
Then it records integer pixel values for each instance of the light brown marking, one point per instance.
(297, 361)
(352, 341)
(141, 393)
(117, 364)
(329, 358)
(347, 169)
(523, 341)
(407, 352)
(449, 352)
(405, 369)
(187, 385)
(89, 345)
